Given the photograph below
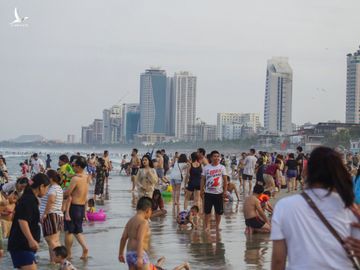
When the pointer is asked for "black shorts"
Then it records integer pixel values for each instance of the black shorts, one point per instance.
(77, 215)
(215, 200)
(193, 185)
(134, 171)
(255, 223)
(247, 177)
(107, 174)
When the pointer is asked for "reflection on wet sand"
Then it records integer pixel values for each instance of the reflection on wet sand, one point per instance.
(257, 246)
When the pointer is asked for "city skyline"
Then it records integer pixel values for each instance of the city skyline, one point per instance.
(88, 71)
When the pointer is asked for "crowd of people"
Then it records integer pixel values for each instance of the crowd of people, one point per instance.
(321, 211)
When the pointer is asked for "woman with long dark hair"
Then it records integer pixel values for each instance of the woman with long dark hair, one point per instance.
(146, 178)
(192, 182)
(25, 231)
(299, 235)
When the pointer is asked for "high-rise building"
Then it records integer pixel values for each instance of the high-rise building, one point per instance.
(153, 97)
(87, 134)
(278, 96)
(106, 139)
(184, 93)
(97, 131)
(130, 122)
(115, 124)
(230, 125)
(70, 139)
(353, 88)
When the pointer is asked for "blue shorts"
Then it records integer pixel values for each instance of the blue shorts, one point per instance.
(22, 258)
(291, 173)
(91, 170)
(131, 258)
(176, 182)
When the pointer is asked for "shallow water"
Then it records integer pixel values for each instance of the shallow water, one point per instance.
(228, 249)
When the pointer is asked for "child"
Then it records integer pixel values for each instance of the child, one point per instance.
(60, 257)
(265, 201)
(189, 217)
(158, 208)
(160, 262)
(7, 213)
(136, 234)
(91, 206)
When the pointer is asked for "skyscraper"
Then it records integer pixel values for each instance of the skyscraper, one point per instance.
(153, 97)
(278, 96)
(184, 93)
(106, 127)
(353, 88)
(130, 121)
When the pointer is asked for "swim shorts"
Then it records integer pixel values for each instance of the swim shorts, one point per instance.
(247, 177)
(91, 170)
(255, 223)
(131, 258)
(134, 171)
(215, 200)
(52, 224)
(77, 215)
(160, 172)
(22, 258)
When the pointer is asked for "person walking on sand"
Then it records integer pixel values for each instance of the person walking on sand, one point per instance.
(78, 190)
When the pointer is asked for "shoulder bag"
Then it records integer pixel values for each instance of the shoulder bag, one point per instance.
(331, 229)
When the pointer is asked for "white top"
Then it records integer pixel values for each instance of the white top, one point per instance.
(9, 187)
(56, 208)
(178, 170)
(249, 165)
(310, 245)
(214, 180)
(36, 165)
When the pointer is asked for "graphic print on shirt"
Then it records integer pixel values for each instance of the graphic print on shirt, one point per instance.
(214, 178)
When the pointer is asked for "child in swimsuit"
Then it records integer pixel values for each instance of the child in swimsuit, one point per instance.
(60, 257)
(137, 231)
(188, 217)
(91, 206)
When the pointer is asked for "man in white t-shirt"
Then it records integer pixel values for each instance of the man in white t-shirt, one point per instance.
(213, 189)
(249, 169)
(37, 165)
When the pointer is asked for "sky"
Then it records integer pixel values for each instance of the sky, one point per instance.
(76, 58)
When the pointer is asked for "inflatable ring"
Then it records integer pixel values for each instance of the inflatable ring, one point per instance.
(96, 216)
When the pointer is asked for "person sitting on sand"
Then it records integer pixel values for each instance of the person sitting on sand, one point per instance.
(160, 262)
(60, 257)
(158, 208)
(255, 218)
(189, 217)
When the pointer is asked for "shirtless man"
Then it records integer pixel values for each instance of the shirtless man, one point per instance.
(159, 165)
(107, 165)
(255, 218)
(137, 235)
(201, 157)
(134, 166)
(78, 190)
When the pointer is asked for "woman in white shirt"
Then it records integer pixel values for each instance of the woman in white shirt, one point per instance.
(51, 216)
(298, 234)
(146, 178)
(177, 174)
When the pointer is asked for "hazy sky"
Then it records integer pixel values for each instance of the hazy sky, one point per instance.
(78, 57)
